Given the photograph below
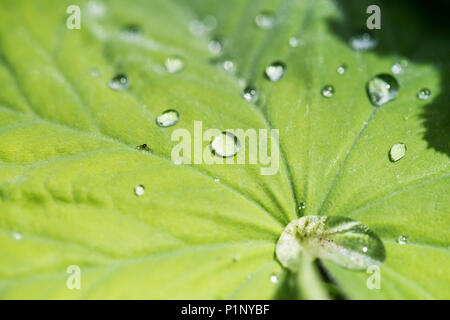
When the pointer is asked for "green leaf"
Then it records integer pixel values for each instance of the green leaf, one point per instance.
(69, 162)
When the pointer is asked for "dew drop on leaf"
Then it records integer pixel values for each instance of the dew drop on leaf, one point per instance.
(168, 118)
(402, 240)
(328, 91)
(274, 278)
(225, 145)
(119, 82)
(95, 72)
(275, 71)
(295, 42)
(265, 20)
(215, 46)
(216, 179)
(344, 241)
(144, 147)
(250, 94)
(341, 69)
(424, 94)
(363, 41)
(397, 152)
(382, 88)
(174, 64)
(17, 235)
(139, 190)
(302, 205)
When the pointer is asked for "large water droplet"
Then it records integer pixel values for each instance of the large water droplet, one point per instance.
(250, 94)
(174, 64)
(275, 71)
(402, 240)
(265, 20)
(382, 88)
(225, 145)
(119, 82)
(17, 235)
(328, 91)
(139, 190)
(363, 41)
(344, 241)
(168, 118)
(397, 152)
(424, 94)
(215, 46)
(341, 69)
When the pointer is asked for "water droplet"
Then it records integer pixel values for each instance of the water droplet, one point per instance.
(119, 82)
(364, 249)
(250, 94)
(95, 72)
(424, 94)
(143, 147)
(397, 152)
(338, 239)
(17, 235)
(402, 240)
(174, 64)
(397, 68)
(302, 205)
(363, 41)
(216, 179)
(265, 20)
(96, 9)
(382, 88)
(328, 91)
(139, 190)
(275, 71)
(341, 69)
(236, 258)
(168, 118)
(225, 145)
(295, 42)
(215, 46)
(201, 27)
(227, 65)
(273, 278)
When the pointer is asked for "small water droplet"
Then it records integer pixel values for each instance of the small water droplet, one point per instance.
(119, 82)
(397, 68)
(215, 46)
(216, 179)
(273, 278)
(275, 71)
(397, 152)
(174, 64)
(96, 9)
(250, 94)
(168, 118)
(302, 205)
(364, 249)
(295, 42)
(95, 72)
(227, 65)
(402, 240)
(363, 41)
(17, 235)
(341, 69)
(143, 147)
(139, 190)
(424, 94)
(265, 20)
(328, 91)
(225, 145)
(382, 88)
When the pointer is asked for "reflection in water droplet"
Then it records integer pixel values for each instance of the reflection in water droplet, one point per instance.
(265, 20)
(328, 91)
(363, 41)
(17, 235)
(273, 278)
(275, 71)
(397, 152)
(174, 64)
(334, 238)
(250, 94)
(119, 82)
(168, 118)
(424, 94)
(215, 46)
(139, 190)
(382, 88)
(402, 240)
(225, 145)
(341, 69)
(295, 42)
